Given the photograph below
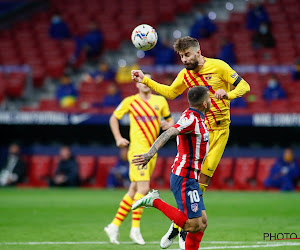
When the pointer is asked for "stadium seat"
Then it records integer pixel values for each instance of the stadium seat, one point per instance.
(104, 164)
(263, 170)
(39, 170)
(87, 169)
(157, 177)
(222, 178)
(244, 173)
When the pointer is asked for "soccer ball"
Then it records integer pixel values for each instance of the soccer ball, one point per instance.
(144, 37)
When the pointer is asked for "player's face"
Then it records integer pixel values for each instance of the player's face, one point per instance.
(142, 87)
(189, 58)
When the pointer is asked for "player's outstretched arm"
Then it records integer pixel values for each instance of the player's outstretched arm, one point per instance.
(170, 92)
(115, 129)
(143, 159)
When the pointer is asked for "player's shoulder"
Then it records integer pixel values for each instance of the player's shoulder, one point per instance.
(188, 115)
(158, 98)
(216, 62)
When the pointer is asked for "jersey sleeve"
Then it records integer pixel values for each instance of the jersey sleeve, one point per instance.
(185, 124)
(170, 92)
(231, 77)
(165, 111)
(122, 109)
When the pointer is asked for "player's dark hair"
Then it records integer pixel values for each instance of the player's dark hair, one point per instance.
(184, 43)
(197, 95)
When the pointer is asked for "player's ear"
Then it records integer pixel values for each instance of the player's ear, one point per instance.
(199, 52)
(205, 104)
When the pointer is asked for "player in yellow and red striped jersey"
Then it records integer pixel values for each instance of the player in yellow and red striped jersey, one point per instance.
(145, 112)
(219, 78)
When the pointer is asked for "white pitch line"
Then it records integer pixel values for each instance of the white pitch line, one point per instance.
(249, 246)
(262, 244)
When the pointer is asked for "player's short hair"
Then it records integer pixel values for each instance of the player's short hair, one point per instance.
(197, 95)
(184, 43)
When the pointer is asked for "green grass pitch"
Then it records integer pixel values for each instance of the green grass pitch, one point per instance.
(53, 217)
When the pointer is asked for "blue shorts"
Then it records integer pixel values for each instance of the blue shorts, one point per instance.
(188, 195)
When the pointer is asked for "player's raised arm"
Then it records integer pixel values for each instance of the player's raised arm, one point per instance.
(241, 87)
(143, 159)
(170, 92)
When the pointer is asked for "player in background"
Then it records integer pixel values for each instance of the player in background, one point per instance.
(145, 112)
(192, 145)
(219, 78)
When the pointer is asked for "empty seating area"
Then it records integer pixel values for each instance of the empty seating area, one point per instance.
(27, 42)
(242, 173)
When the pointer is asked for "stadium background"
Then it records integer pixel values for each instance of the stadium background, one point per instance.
(32, 63)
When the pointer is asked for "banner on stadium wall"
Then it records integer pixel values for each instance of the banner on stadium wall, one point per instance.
(60, 118)
(276, 120)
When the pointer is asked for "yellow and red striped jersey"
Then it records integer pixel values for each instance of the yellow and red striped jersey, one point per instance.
(215, 74)
(144, 118)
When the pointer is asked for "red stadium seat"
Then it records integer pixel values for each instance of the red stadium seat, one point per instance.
(157, 177)
(263, 170)
(244, 173)
(105, 163)
(39, 170)
(86, 166)
(49, 104)
(222, 178)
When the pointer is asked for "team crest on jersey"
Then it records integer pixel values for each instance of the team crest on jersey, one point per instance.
(194, 207)
(156, 107)
(207, 77)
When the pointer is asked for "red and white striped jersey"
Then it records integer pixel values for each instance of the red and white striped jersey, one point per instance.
(192, 144)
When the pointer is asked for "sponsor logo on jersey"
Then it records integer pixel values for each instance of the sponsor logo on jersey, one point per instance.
(183, 120)
(234, 76)
(206, 137)
(194, 207)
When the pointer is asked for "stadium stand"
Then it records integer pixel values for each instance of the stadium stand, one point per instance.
(233, 173)
(244, 173)
(28, 42)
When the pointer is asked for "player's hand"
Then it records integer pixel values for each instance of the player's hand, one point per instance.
(141, 160)
(137, 75)
(164, 125)
(221, 94)
(122, 142)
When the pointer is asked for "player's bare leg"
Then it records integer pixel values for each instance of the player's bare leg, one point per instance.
(142, 188)
(112, 230)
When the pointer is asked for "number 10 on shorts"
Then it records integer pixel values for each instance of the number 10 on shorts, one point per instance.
(194, 196)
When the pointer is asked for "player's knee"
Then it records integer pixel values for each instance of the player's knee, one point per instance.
(143, 190)
(203, 225)
(192, 227)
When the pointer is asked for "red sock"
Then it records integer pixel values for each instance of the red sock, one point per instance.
(172, 213)
(192, 241)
